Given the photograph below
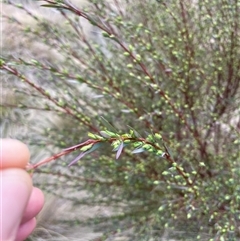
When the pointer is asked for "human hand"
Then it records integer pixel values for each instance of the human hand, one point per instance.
(20, 202)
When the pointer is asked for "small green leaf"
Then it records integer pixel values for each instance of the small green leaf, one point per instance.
(87, 147)
(150, 138)
(160, 153)
(158, 136)
(134, 133)
(237, 141)
(126, 135)
(107, 125)
(111, 134)
(95, 147)
(104, 134)
(91, 135)
(116, 144)
(165, 173)
(147, 147)
(105, 34)
(202, 164)
(137, 144)
(82, 154)
(94, 136)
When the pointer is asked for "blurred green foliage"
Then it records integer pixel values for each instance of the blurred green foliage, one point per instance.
(167, 67)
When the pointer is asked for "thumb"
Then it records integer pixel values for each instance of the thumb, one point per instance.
(15, 187)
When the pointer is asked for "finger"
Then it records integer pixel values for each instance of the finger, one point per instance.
(34, 205)
(13, 153)
(25, 229)
(16, 188)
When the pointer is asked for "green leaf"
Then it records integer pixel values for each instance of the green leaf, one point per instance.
(116, 144)
(148, 147)
(150, 138)
(111, 134)
(82, 154)
(95, 147)
(108, 125)
(104, 134)
(94, 136)
(127, 141)
(105, 34)
(134, 133)
(137, 144)
(160, 153)
(91, 135)
(87, 147)
(158, 136)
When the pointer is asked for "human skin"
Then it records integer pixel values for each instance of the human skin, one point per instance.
(20, 202)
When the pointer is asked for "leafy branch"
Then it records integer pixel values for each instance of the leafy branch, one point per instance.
(153, 143)
(129, 51)
(171, 67)
(118, 141)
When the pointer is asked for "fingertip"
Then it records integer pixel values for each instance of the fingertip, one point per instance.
(35, 204)
(39, 197)
(26, 229)
(13, 154)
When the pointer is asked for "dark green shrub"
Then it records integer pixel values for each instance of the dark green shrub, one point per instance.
(147, 67)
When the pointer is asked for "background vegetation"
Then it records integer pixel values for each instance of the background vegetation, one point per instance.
(165, 73)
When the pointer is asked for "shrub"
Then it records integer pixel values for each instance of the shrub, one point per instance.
(166, 75)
